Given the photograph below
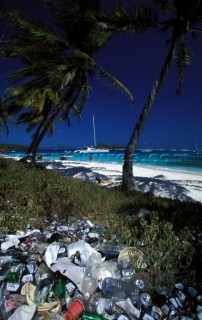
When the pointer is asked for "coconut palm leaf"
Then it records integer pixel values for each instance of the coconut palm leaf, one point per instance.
(112, 81)
(57, 66)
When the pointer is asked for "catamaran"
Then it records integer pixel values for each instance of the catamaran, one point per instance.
(92, 149)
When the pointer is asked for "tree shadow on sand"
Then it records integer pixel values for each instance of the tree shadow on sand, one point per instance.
(159, 186)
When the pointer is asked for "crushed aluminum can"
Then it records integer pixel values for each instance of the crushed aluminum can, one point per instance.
(123, 316)
(145, 299)
(90, 223)
(147, 316)
(173, 314)
(156, 312)
(139, 283)
(71, 288)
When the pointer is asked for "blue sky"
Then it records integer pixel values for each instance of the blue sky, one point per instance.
(175, 122)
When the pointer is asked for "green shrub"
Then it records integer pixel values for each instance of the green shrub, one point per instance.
(168, 255)
(3, 164)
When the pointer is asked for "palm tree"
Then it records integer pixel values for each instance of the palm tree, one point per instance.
(3, 120)
(185, 16)
(57, 63)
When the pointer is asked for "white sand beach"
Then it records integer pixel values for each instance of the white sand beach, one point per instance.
(162, 182)
(185, 186)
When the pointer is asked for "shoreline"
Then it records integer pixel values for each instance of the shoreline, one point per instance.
(162, 182)
(185, 186)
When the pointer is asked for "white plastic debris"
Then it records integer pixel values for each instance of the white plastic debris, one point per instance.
(9, 244)
(82, 247)
(24, 312)
(51, 253)
(69, 270)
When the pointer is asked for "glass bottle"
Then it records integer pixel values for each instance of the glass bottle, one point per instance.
(60, 291)
(91, 316)
(7, 304)
(15, 272)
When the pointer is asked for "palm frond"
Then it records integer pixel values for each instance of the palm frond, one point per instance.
(77, 112)
(82, 99)
(164, 5)
(134, 18)
(34, 31)
(112, 81)
(27, 117)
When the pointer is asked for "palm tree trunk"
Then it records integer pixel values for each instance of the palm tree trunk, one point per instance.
(40, 137)
(35, 136)
(48, 119)
(128, 182)
(32, 146)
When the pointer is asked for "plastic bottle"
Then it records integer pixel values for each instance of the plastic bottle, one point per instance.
(90, 279)
(105, 304)
(98, 304)
(111, 251)
(7, 304)
(119, 289)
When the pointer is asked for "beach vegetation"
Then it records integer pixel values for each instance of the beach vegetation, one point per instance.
(11, 147)
(177, 19)
(32, 196)
(51, 192)
(168, 257)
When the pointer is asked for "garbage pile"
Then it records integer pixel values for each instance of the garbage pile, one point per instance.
(71, 272)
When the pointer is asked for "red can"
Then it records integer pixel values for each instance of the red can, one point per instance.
(74, 311)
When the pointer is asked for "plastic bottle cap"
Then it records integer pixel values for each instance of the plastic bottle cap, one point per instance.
(86, 295)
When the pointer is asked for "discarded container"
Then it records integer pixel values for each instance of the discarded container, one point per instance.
(43, 286)
(91, 316)
(195, 295)
(75, 310)
(60, 291)
(90, 279)
(7, 304)
(117, 288)
(63, 277)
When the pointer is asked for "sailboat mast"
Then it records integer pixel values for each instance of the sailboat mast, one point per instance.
(94, 132)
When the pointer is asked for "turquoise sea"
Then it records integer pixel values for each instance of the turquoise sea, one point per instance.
(181, 160)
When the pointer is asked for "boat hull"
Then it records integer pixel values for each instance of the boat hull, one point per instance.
(93, 151)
